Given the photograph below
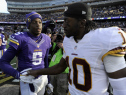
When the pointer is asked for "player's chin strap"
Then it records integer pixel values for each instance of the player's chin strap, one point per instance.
(118, 85)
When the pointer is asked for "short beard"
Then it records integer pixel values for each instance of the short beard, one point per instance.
(68, 36)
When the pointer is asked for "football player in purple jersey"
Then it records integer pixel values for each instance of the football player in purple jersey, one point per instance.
(3, 42)
(31, 49)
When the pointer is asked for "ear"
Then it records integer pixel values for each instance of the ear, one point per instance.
(82, 22)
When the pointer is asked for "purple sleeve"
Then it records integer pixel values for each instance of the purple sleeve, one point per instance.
(46, 63)
(5, 62)
(46, 56)
(49, 42)
(46, 59)
(3, 45)
(15, 41)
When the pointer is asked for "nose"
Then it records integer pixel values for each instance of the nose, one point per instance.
(38, 24)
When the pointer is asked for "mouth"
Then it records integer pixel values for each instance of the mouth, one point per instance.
(38, 29)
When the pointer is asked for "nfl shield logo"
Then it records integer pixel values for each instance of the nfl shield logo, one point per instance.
(75, 47)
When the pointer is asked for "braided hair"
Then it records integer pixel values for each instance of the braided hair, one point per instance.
(90, 25)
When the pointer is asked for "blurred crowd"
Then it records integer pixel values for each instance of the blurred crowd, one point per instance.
(109, 11)
(103, 24)
(10, 29)
(98, 12)
(105, 11)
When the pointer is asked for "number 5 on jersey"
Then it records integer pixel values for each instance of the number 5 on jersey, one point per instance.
(37, 58)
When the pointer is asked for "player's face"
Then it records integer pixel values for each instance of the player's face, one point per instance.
(71, 26)
(36, 27)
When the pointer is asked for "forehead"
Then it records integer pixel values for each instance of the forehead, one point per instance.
(36, 19)
(68, 18)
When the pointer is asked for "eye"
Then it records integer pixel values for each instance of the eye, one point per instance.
(40, 22)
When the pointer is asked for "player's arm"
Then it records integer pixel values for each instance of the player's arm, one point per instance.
(56, 69)
(116, 70)
(11, 52)
(5, 62)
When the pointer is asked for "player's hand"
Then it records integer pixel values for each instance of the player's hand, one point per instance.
(24, 77)
(32, 72)
(49, 88)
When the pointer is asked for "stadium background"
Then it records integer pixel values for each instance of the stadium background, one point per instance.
(106, 13)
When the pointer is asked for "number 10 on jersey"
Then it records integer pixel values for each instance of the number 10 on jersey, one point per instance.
(87, 77)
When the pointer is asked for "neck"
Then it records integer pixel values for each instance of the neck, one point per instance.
(33, 34)
(79, 36)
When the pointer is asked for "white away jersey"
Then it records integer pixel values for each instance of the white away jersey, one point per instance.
(87, 75)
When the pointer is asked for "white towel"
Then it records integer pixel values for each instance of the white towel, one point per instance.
(40, 82)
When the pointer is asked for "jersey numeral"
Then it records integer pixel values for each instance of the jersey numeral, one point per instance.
(4, 42)
(37, 58)
(87, 85)
(123, 35)
(18, 33)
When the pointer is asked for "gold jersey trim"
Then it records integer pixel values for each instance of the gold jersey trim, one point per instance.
(14, 42)
(115, 52)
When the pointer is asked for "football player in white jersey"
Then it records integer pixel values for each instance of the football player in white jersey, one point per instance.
(95, 56)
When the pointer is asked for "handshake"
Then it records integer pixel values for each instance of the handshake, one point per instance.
(24, 78)
(37, 82)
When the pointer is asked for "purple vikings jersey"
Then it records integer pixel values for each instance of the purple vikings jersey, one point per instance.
(30, 53)
(3, 45)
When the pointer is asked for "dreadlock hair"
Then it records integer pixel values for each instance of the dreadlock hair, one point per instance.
(90, 25)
